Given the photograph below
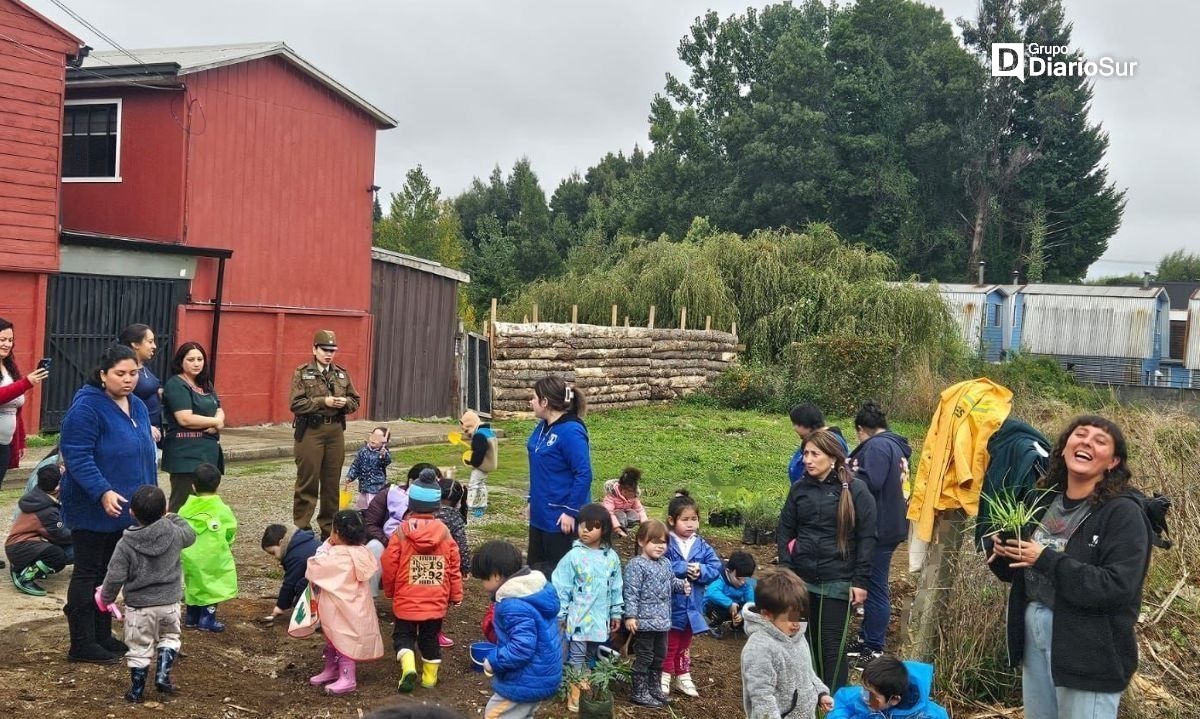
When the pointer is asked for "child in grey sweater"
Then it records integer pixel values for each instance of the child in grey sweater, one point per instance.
(146, 564)
(778, 679)
(648, 586)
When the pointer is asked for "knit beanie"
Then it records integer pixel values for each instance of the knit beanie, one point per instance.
(425, 494)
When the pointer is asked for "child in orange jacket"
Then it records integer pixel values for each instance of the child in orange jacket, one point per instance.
(422, 575)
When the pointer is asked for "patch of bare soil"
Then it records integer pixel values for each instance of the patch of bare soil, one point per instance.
(255, 670)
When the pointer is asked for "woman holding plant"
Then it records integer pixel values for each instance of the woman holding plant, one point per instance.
(827, 537)
(1077, 581)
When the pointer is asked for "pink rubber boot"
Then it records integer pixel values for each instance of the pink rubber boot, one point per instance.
(330, 674)
(347, 677)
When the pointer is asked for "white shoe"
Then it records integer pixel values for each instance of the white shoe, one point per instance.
(684, 683)
(664, 683)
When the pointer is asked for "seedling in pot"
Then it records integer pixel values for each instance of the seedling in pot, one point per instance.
(1011, 516)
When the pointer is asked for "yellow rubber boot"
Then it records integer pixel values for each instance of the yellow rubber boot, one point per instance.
(573, 699)
(429, 672)
(408, 669)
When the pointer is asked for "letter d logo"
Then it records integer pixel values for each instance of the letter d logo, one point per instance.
(1008, 60)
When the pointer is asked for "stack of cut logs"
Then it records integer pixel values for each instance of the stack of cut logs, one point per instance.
(614, 366)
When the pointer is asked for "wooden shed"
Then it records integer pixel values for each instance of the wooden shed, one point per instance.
(418, 348)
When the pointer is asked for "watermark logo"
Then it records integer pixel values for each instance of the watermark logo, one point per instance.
(1015, 59)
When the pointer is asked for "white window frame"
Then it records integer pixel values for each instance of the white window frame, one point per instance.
(117, 164)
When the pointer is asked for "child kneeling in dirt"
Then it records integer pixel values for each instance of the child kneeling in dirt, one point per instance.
(889, 688)
(209, 572)
(422, 575)
(725, 597)
(38, 544)
(293, 553)
(146, 562)
(526, 663)
(340, 575)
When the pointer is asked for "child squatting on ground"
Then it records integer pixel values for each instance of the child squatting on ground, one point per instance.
(38, 544)
(146, 564)
(622, 499)
(292, 552)
(369, 467)
(485, 453)
(777, 669)
(341, 573)
(422, 575)
(649, 584)
(589, 586)
(209, 573)
(725, 597)
(891, 689)
(526, 663)
(693, 559)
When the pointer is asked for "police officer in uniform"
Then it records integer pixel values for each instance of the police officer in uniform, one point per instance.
(322, 396)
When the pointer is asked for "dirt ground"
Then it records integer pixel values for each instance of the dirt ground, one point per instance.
(255, 670)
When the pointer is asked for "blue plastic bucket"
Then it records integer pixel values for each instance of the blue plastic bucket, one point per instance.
(479, 652)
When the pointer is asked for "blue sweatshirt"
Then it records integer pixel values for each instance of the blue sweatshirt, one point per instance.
(103, 449)
(560, 471)
(722, 594)
(877, 462)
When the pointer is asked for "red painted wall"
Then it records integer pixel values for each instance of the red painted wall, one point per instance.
(32, 80)
(23, 302)
(280, 174)
(260, 349)
(148, 201)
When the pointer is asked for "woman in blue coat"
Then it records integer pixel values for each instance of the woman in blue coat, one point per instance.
(560, 471)
(108, 451)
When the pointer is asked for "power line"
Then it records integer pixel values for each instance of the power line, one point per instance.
(51, 58)
(97, 31)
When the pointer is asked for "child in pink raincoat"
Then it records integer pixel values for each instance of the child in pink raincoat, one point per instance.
(341, 577)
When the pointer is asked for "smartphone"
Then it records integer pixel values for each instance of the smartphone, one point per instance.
(44, 363)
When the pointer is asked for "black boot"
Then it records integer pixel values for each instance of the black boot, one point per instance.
(655, 687)
(162, 677)
(84, 648)
(641, 694)
(104, 636)
(137, 684)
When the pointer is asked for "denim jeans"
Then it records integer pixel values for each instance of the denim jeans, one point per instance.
(1042, 699)
(878, 609)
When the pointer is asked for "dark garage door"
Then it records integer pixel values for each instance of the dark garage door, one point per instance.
(85, 313)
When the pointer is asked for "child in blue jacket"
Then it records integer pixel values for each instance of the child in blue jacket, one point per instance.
(692, 559)
(526, 663)
(891, 689)
(293, 553)
(725, 597)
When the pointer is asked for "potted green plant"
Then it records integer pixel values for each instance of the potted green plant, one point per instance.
(1012, 515)
(761, 518)
(724, 512)
(595, 685)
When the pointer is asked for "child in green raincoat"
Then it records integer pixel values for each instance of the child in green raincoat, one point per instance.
(209, 574)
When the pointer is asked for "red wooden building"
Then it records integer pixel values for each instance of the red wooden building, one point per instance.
(220, 194)
(34, 54)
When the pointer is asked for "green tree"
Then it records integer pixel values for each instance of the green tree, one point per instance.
(1179, 266)
(420, 223)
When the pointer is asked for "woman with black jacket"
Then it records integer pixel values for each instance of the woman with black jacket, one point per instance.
(1077, 583)
(827, 536)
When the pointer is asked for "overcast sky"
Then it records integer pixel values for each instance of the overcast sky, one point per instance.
(480, 82)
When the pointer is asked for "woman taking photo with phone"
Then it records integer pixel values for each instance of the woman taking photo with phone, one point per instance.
(194, 421)
(13, 388)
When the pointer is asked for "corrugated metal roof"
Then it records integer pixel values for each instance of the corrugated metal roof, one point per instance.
(206, 57)
(1093, 291)
(418, 263)
(960, 288)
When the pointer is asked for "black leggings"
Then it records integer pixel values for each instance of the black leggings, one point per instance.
(93, 550)
(421, 635)
(546, 549)
(5, 455)
(827, 632)
(649, 651)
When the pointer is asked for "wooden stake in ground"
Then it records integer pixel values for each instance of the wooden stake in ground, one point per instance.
(614, 316)
(650, 324)
(708, 323)
(919, 628)
(535, 317)
(574, 314)
(683, 318)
